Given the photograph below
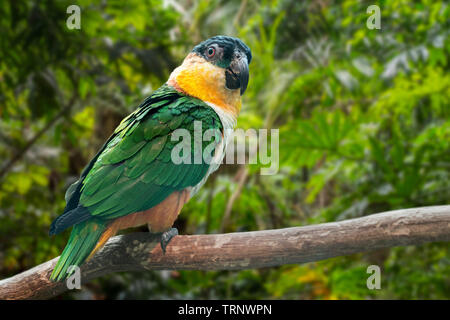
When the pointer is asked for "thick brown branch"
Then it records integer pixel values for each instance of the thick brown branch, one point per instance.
(234, 251)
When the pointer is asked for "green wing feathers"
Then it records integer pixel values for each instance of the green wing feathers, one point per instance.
(133, 171)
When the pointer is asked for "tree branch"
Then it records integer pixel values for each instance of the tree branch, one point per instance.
(244, 250)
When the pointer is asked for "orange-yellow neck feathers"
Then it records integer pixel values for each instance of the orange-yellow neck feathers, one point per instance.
(198, 78)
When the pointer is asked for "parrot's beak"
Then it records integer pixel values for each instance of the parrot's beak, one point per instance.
(237, 74)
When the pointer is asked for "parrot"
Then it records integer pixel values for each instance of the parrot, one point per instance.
(132, 180)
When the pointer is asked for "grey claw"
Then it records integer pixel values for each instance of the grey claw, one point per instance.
(166, 237)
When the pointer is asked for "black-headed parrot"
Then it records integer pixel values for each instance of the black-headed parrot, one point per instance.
(133, 179)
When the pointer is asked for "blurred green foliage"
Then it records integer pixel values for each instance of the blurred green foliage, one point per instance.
(363, 114)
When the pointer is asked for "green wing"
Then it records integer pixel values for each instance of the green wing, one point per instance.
(134, 171)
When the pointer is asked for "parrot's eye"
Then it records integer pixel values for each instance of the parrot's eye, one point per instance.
(210, 52)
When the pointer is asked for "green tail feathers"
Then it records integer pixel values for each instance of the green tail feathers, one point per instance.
(82, 241)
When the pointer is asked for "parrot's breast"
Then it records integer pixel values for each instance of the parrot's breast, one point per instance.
(228, 120)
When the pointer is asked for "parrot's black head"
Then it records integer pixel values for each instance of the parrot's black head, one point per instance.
(231, 54)
(225, 49)
(216, 71)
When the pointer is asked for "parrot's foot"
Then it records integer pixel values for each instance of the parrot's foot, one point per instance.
(166, 237)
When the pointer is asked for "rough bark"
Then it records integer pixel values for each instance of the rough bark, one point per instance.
(244, 250)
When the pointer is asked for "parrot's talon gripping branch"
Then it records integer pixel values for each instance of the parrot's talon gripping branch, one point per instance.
(166, 237)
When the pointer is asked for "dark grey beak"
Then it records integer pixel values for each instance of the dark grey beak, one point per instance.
(237, 74)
